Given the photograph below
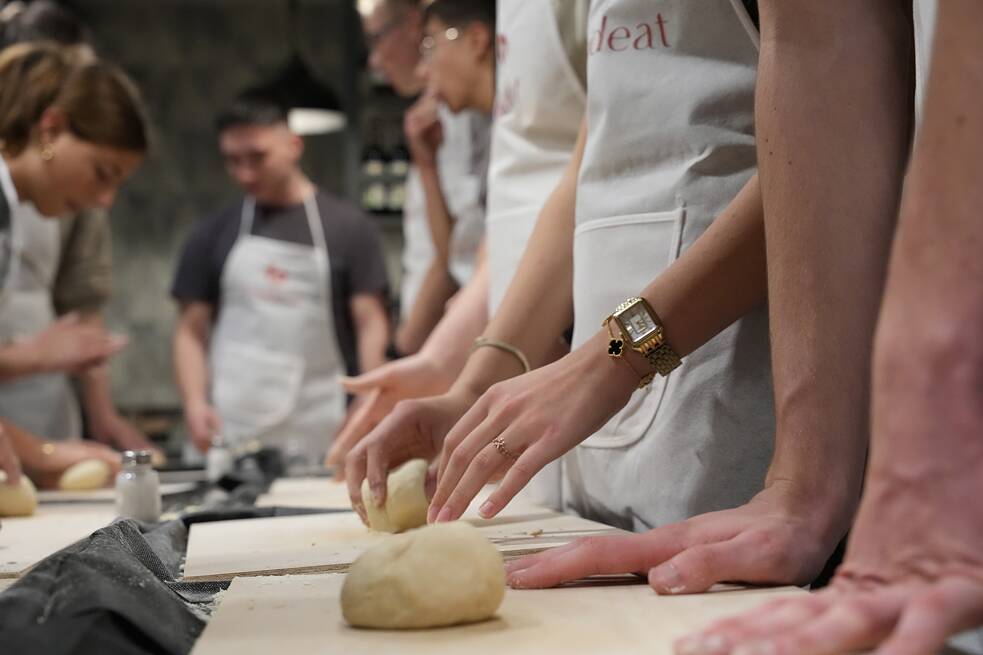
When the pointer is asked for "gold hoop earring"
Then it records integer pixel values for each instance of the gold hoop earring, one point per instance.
(47, 152)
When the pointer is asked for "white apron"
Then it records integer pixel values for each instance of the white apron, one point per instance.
(670, 143)
(275, 359)
(462, 180)
(43, 404)
(418, 248)
(539, 104)
(462, 193)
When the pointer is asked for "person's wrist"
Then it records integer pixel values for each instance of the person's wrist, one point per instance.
(34, 357)
(195, 405)
(623, 373)
(827, 503)
(425, 161)
(443, 362)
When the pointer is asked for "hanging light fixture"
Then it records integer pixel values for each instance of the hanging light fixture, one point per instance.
(312, 106)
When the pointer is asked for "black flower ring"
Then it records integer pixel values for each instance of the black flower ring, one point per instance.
(616, 347)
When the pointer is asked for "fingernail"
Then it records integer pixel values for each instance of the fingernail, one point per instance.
(486, 508)
(432, 514)
(445, 515)
(702, 645)
(756, 648)
(667, 577)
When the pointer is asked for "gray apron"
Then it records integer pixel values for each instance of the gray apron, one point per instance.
(671, 142)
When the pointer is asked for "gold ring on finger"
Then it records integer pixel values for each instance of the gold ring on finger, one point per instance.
(500, 446)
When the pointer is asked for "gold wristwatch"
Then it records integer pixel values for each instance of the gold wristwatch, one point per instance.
(642, 330)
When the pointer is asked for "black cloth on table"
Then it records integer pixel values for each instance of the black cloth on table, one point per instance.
(116, 591)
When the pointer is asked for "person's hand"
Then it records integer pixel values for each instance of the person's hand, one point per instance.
(49, 460)
(913, 575)
(203, 424)
(415, 428)
(71, 346)
(522, 424)
(779, 537)
(913, 572)
(424, 132)
(9, 463)
(113, 430)
(378, 392)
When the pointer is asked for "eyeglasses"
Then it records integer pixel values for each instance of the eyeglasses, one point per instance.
(429, 43)
(373, 39)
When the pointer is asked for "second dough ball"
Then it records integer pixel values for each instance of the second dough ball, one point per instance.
(406, 499)
(86, 475)
(20, 500)
(436, 576)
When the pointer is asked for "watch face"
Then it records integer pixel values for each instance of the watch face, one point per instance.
(638, 324)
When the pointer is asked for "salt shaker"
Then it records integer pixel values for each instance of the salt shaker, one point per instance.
(218, 460)
(138, 487)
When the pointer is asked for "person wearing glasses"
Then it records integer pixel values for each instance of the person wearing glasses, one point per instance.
(443, 216)
(539, 87)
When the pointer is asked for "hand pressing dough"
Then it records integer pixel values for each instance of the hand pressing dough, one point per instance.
(406, 499)
(439, 575)
(86, 475)
(21, 500)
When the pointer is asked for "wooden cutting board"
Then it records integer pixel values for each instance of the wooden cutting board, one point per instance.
(301, 614)
(318, 543)
(25, 541)
(308, 493)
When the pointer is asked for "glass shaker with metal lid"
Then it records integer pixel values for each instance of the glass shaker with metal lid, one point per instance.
(138, 487)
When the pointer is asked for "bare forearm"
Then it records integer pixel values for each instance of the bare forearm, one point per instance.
(436, 289)
(450, 342)
(928, 346)
(190, 365)
(721, 277)
(373, 337)
(19, 359)
(27, 446)
(832, 142)
(542, 287)
(438, 215)
(96, 393)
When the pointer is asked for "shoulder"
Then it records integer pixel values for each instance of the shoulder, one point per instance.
(340, 215)
(211, 227)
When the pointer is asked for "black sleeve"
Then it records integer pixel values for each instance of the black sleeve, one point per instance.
(368, 267)
(199, 271)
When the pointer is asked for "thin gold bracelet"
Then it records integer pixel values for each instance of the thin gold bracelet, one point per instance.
(644, 379)
(483, 342)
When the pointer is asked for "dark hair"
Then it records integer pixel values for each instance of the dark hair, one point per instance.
(43, 20)
(461, 12)
(250, 110)
(100, 103)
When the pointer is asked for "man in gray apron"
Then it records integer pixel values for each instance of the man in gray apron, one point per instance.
(281, 295)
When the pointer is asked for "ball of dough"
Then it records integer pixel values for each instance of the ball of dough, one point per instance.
(439, 575)
(86, 475)
(406, 499)
(20, 500)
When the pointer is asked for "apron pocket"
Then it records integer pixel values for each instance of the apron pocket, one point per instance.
(614, 259)
(255, 387)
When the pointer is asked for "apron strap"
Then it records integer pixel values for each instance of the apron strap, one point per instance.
(246, 216)
(313, 214)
